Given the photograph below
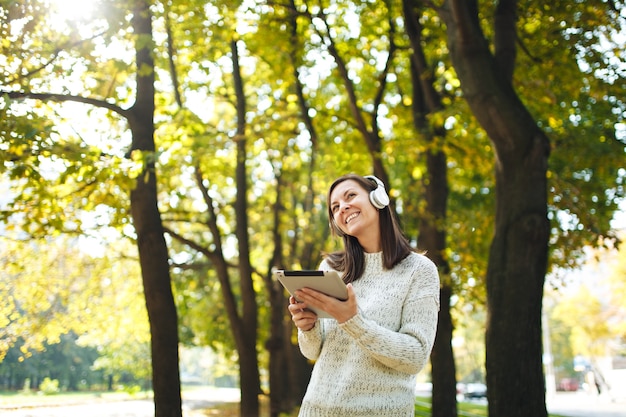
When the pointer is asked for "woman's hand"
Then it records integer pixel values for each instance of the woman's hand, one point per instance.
(341, 310)
(303, 319)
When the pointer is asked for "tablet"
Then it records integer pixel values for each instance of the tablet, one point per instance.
(327, 282)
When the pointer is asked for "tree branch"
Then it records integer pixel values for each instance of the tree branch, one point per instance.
(171, 51)
(53, 57)
(24, 95)
(382, 78)
(343, 71)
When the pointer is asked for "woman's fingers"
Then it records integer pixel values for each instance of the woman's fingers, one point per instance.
(303, 319)
(340, 310)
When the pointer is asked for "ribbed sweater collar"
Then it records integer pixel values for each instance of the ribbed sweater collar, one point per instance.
(373, 262)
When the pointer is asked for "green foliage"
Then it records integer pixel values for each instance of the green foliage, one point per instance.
(469, 349)
(54, 287)
(65, 362)
(588, 313)
(568, 82)
(40, 287)
(49, 386)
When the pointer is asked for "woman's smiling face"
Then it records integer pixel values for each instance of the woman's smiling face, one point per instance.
(353, 212)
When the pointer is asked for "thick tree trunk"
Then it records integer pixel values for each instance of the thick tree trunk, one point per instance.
(519, 250)
(153, 254)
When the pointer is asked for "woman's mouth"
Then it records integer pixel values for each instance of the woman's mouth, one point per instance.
(350, 217)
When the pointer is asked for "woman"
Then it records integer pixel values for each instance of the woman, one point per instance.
(368, 356)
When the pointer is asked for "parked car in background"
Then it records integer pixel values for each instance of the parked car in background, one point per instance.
(471, 390)
(568, 384)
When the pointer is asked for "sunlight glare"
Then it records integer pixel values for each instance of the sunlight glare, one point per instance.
(73, 9)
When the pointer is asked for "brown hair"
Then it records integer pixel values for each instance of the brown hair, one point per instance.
(351, 260)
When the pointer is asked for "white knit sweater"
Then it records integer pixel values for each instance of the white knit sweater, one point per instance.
(366, 367)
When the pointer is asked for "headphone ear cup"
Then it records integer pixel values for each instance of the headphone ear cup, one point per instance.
(375, 201)
(378, 196)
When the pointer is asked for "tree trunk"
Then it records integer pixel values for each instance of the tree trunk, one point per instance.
(432, 238)
(245, 339)
(443, 368)
(519, 250)
(153, 254)
(248, 358)
(276, 344)
(289, 369)
(432, 233)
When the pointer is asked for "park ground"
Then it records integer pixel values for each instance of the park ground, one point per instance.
(210, 401)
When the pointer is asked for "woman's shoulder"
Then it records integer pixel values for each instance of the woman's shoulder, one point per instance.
(332, 259)
(424, 274)
(419, 259)
(326, 265)
(420, 266)
(323, 266)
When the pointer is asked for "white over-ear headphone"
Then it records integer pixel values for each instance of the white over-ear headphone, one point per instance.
(378, 196)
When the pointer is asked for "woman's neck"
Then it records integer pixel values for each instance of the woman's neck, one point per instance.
(372, 244)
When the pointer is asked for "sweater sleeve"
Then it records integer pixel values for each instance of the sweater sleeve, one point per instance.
(311, 341)
(408, 349)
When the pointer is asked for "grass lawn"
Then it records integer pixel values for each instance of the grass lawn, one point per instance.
(16, 399)
(422, 408)
(464, 409)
